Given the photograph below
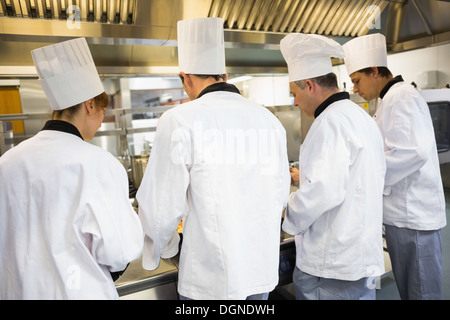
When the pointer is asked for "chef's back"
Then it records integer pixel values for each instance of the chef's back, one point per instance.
(220, 163)
(66, 224)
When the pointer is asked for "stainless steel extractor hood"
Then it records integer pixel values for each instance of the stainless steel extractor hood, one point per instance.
(134, 37)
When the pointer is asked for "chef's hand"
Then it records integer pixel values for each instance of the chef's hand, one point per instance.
(295, 175)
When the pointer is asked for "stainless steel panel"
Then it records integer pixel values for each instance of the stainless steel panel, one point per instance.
(167, 291)
(33, 101)
(116, 11)
(290, 118)
(291, 10)
(308, 16)
(358, 17)
(297, 16)
(350, 15)
(136, 279)
(395, 20)
(6, 136)
(136, 30)
(324, 28)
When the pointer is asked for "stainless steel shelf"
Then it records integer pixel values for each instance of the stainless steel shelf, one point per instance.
(116, 112)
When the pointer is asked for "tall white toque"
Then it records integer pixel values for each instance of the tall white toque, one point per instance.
(201, 47)
(365, 52)
(67, 73)
(309, 55)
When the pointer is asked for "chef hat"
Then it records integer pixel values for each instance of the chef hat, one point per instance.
(201, 48)
(67, 73)
(365, 52)
(309, 55)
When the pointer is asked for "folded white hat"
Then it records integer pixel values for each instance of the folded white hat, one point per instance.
(201, 47)
(67, 73)
(309, 55)
(365, 52)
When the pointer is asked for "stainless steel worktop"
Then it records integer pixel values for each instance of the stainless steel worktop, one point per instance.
(138, 283)
(136, 278)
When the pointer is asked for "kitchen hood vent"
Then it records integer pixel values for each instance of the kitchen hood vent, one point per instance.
(139, 37)
(101, 11)
(349, 18)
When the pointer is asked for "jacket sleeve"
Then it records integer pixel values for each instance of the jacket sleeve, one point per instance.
(408, 137)
(108, 219)
(324, 173)
(162, 193)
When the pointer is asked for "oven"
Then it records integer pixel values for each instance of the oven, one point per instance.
(438, 101)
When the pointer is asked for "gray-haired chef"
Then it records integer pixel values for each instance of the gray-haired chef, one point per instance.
(336, 214)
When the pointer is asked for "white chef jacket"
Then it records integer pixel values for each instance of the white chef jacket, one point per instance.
(220, 161)
(414, 196)
(336, 214)
(65, 220)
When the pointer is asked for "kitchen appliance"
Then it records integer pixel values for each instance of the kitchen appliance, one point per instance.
(438, 101)
(6, 136)
(290, 118)
(369, 106)
(138, 166)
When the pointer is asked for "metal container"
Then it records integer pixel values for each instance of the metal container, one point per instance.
(138, 165)
(290, 118)
(6, 136)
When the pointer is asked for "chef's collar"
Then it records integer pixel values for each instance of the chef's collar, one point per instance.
(62, 126)
(389, 85)
(335, 97)
(219, 86)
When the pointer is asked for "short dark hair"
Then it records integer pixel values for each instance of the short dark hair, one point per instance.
(328, 81)
(217, 77)
(382, 71)
(204, 76)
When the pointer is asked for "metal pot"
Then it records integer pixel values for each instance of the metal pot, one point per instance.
(138, 165)
(6, 136)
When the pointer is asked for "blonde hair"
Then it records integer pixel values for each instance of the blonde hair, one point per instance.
(100, 101)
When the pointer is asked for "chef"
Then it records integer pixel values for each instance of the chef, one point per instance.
(67, 229)
(336, 214)
(414, 203)
(221, 162)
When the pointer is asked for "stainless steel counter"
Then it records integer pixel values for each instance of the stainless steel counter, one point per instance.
(138, 283)
(157, 284)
